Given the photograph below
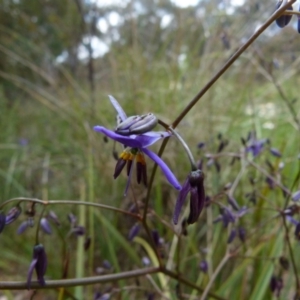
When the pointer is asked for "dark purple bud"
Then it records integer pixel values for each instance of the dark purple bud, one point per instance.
(106, 264)
(296, 196)
(45, 225)
(297, 231)
(2, 221)
(184, 225)
(105, 139)
(284, 262)
(233, 203)
(197, 199)
(72, 219)
(87, 243)
(273, 284)
(24, 225)
(155, 236)
(232, 236)
(78, 230)
(39, 263)
(146, 261)
(201, 145)
(291, 210)
(150, 296)
(270, 183)
(275, 152)
(222, 145)
(134, 231)
(119, 167)
(283, 20)
(12, 215)
(203, 266)
(242, 234)
(53, 217)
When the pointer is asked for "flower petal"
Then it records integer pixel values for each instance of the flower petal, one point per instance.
(181, 199)
(130, 141)
(149, 138)
(118, 108)
(168, 173)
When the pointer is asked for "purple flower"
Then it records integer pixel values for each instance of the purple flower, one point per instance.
(136, 146)
(45, 225)
(256, 146)
(283, 20)
(296, 196)
(133, 232)
(193, 185)
(39, 263)
(203, 266)
(12, 215)
(228, 216)
(232, 236)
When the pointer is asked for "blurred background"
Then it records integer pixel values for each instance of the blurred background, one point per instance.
(58, 62)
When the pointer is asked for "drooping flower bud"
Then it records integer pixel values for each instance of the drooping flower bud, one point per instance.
(232, 236)
(134, 231)
(2, 221)
(284, 19)
(194, 185)
(45, 225)
(12, 215)
(39, 263)
(203, 266)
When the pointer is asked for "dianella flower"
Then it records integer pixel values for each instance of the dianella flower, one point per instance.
(39, 263)
(284, 19)
(135, 134)
(193, 185)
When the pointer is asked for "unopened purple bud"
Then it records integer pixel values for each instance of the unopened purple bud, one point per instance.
(134, 231)
(203, 266)
(201, 145)
(273, 284)
(72, 219)
(2, 221)
(39, 263)
(78, 230)
(297, 231)
(106, 264)
(45, 225)
(155, 236)
(232, 236)
(242, 234)
(296, 196)
(275, 152)
(24, 225)
(12, 215)
(53, 217)
(283, 20)
(270, 183)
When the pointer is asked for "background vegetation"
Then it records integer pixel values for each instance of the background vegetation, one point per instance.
(53, 90)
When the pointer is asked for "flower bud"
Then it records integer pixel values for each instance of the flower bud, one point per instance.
(283, 20)
(134, 231)
(12, 215)
(2, 221)
(45, 225)
(39, 263)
